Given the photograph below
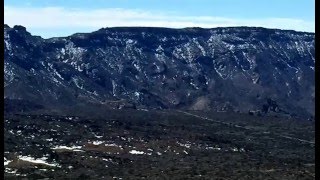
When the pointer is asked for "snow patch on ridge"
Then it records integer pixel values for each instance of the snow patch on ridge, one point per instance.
(37, 161)
(136, 152)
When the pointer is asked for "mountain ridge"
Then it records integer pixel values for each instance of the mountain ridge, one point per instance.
(193, 68)
(174, 29)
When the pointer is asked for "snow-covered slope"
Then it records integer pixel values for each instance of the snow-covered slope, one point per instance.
(240, 69)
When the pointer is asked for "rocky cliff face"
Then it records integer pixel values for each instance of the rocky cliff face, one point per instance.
(239, 69)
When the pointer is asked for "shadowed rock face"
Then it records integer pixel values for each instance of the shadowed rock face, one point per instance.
(239, 69)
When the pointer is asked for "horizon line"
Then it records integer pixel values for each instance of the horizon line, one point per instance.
(161, 27)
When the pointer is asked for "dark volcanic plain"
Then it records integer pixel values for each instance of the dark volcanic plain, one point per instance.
(132, 144)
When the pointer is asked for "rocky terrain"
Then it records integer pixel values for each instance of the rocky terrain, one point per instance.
(136, 144)
(159, 103)
(238, 69)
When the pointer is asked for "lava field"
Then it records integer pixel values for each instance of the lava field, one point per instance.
(132, 144)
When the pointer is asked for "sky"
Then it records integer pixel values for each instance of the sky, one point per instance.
(55, 18)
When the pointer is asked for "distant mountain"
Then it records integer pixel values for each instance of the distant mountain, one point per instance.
(224, 69)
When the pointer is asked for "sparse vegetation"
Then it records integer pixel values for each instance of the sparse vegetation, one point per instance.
(132, 144)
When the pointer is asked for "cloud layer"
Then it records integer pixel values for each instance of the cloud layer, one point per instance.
(61, 18)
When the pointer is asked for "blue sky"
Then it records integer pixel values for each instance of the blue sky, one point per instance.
(50, 18)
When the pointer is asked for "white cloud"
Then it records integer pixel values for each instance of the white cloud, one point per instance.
(60, 18)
